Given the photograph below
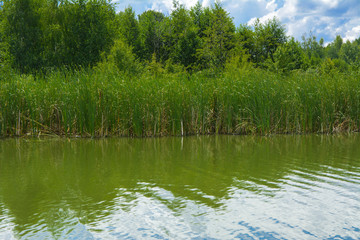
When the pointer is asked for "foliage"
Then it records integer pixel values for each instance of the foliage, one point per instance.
(121, 57)
(128, 26)
(173, 68)
(129, 29)
(218, 38)
(290, 56)
(183, 40)
(313, 49)
(201, 17)
(5, 59)
(45, 34)
(350, 53)
(333, 49)
(87, 31)
(152, 29)
(245, 39)
(268, 37)
(38, 36)
(154, 67)
(22, 33)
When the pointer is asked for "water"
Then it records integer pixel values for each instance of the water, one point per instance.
(211, 187)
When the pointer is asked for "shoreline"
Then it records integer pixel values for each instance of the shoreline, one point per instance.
(55, 136)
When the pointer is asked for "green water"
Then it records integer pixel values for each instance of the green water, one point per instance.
(211, 187)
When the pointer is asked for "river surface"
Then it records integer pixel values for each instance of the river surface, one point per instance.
(210, 187)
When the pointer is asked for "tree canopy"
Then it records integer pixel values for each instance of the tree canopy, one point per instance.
(36, 35)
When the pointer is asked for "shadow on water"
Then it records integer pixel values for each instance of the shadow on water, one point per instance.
(60, 188)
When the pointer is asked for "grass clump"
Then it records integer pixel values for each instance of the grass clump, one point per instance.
(102, 103)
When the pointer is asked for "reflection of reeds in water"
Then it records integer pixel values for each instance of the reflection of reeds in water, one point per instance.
(90, 179)
(91, 103)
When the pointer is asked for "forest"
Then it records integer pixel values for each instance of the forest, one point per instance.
(81, 68)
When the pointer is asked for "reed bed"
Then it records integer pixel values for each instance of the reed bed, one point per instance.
(97, 103)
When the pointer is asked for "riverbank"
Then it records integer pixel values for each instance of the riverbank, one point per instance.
(97, 103)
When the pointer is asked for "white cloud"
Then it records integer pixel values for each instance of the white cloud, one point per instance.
(271, 6)
(206, 3)
(161, 5)
(189, 3)
(353, 31)
(324, 18)
(330, 3)
(167, 5)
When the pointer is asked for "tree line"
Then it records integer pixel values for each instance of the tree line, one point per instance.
(40, 35)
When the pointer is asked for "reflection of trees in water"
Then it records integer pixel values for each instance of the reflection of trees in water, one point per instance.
(86, 178)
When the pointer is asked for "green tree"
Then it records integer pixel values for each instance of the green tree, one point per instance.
(88, 30)
(22, 33)
(350, 53)
(218, 39)
(183, 38)
(268, 37)
(314, 50)
(52, 41)
(5, 57)
(201, 17)
(357, 41)
(129, 28)
(333, 49)
(121, 57)
(245, 39)
(152, 27)
(290, 56)
(333, 65)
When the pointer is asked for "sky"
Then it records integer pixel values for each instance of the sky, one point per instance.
(321, 18)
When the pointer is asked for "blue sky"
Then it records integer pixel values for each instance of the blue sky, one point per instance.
(324, 18)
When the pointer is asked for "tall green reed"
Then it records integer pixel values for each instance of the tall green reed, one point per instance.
(247, 101)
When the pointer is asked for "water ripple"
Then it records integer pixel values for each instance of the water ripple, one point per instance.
(221, 187)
